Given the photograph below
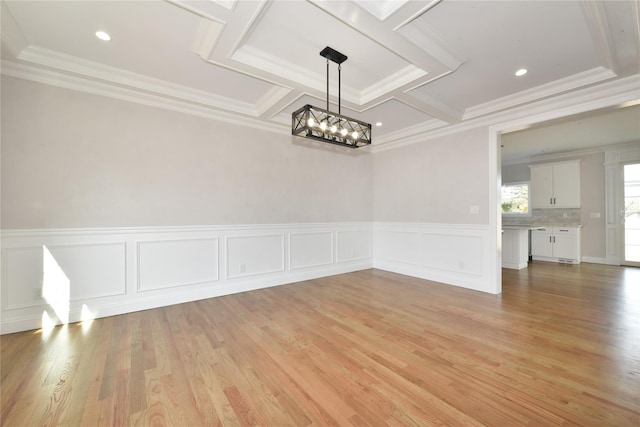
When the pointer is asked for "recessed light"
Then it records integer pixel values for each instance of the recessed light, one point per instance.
(103, 36)
(521, 72)
(378, 124)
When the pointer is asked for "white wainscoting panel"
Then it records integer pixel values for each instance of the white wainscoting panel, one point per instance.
(165, 264)
(354, 245)
(78, 271)
(94, 270)
(113, 271)
(398, 246)
(455, 254)
(310, 249)
(254, 255)
(22, 270)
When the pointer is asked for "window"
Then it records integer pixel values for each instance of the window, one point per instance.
(515, 199)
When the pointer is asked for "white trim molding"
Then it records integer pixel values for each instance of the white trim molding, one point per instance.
(111, 271)
(63, 274)
(614, 161)
(619, 92)
(595, 260)
(455, 254)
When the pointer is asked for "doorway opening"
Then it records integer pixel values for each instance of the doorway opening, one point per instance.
(631, 215)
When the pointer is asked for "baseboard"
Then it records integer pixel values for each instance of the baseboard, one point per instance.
(556, 260)
(597, 260)
(448, 278)
(514, 266)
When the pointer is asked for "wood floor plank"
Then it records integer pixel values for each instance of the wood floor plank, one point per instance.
(559, 346)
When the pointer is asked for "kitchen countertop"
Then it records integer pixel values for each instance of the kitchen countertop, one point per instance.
(522, 227)
(536, 226)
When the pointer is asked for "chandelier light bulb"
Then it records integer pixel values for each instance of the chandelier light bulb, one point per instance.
(311, 123)
(354, 135)
(344, 132)
(323, 125)
(334, 128)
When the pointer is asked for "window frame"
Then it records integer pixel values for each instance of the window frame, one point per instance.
(517, 214)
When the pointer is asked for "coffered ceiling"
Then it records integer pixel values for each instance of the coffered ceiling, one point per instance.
(414, 66)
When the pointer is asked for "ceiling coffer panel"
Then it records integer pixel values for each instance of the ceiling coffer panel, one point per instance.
(287, 39)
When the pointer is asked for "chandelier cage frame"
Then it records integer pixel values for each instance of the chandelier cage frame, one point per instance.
(327, 126)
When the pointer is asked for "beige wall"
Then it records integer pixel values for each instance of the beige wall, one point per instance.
(72, 159)
(435, 181)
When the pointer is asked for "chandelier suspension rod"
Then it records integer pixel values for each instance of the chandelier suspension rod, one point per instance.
(339, 90)
(327, 84)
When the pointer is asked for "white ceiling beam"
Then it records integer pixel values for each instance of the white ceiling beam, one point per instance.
(12, 36)
(595, 17)
(366, 24)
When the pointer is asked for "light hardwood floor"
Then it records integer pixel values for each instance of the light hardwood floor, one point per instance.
(560, 346)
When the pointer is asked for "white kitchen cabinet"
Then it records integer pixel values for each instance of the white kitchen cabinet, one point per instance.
(542, 243)
(556, 244)
(515, 247)
(555, 185)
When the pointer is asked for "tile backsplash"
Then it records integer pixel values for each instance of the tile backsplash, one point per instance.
(547, 217)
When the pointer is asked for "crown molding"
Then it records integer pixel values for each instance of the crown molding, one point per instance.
(613, 93)
(409, 132)
(134, 95)
(275, 96)
(437, 132)
(91, 77)
(432, 107)
(594, 75)
(96, 71)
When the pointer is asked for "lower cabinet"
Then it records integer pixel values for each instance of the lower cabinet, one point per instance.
(556, 244)
(515, 248)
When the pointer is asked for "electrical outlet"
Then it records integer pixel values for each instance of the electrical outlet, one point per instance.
(37, 293)
(474, 209)
(242, 268)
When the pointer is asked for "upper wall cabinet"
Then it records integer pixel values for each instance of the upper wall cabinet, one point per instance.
(555, 185)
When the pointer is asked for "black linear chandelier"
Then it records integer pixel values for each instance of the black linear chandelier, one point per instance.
(327, 126)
